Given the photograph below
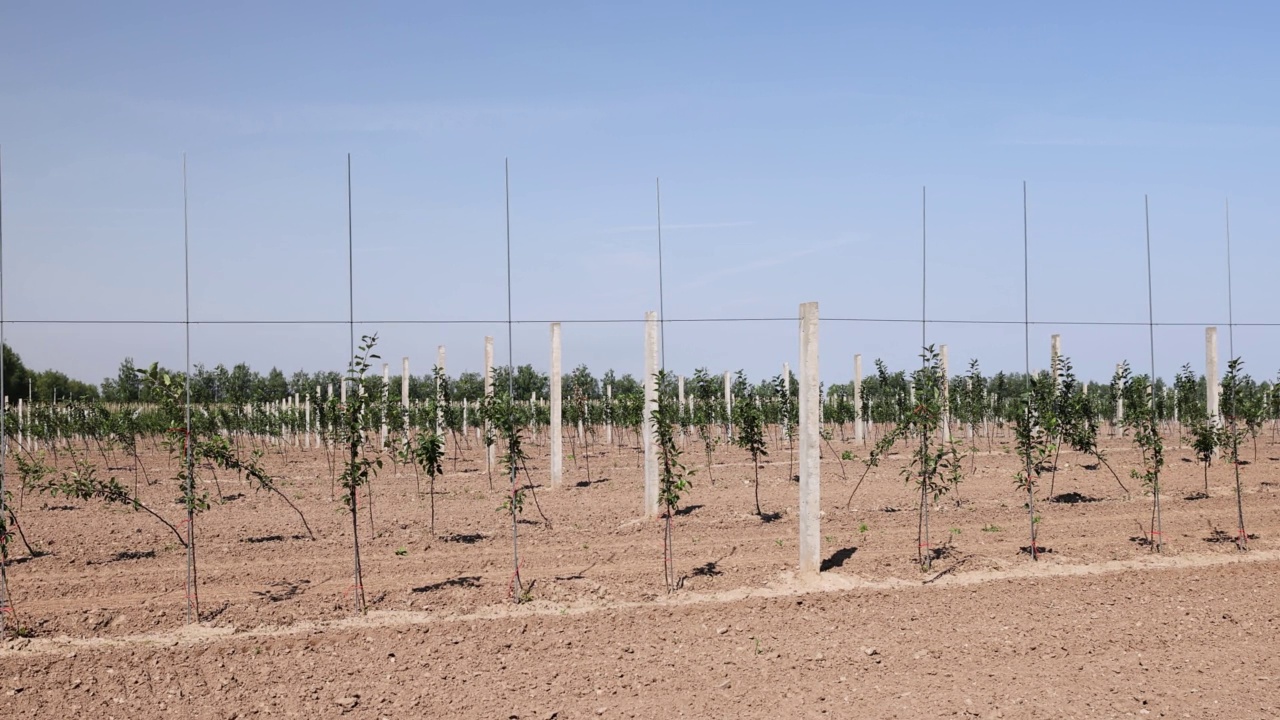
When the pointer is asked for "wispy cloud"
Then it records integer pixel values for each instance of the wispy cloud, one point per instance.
(705, 279)
(678, 226)
(1041, 130)
(1064, 142)
(264, 118)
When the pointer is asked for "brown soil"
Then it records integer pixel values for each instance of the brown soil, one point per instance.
(1100, 626)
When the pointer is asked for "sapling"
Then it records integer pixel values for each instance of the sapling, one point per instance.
(513, 458)
(826, 434)
(673, 478)
(1034, 447)
(1188, 398)
(974, 404)
(9, 518)
(1079, 422)
(789, 413)
(1140, 418)
(9, 624)
(934, 470)
(81, 482)
(1205, 441)
(360, 466)
(881, 447)
(750, 424)
(1234, 386)
(704, 414)
(428, 454)
(486, 410)
(582, 411)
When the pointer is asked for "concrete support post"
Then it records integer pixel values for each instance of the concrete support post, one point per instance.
(859, 422)
(810, 459)
(556, 411)
(404, 383)
(307, 433)
(1055, 359)
(650, 407)
(1212, 379)
(608, 426)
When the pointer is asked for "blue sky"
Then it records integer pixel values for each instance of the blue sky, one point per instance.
(792, 143)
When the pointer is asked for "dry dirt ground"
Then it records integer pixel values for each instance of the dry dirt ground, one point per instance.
(1100, 626)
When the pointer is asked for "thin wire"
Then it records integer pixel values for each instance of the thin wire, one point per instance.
(613, 321)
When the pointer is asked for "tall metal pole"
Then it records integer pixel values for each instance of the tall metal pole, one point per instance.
(924, 552)
(7, 612)
(924, 268)
(1026, 340)
(662, 311)
(1242, 538)
(1157, 531)
(351, 271)
(516, 585)
(358, 588)
(193, 592)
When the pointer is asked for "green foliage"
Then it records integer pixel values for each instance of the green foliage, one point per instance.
(706, 410)
(973, 397)
(81, 482)
(1033, 443)
(1206, 438)
(935, 469)
(749, 419)
(362, 463)
(673, 477)
(1078, 419)
(1141, 420)
(1188, 391)
(514, 456)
